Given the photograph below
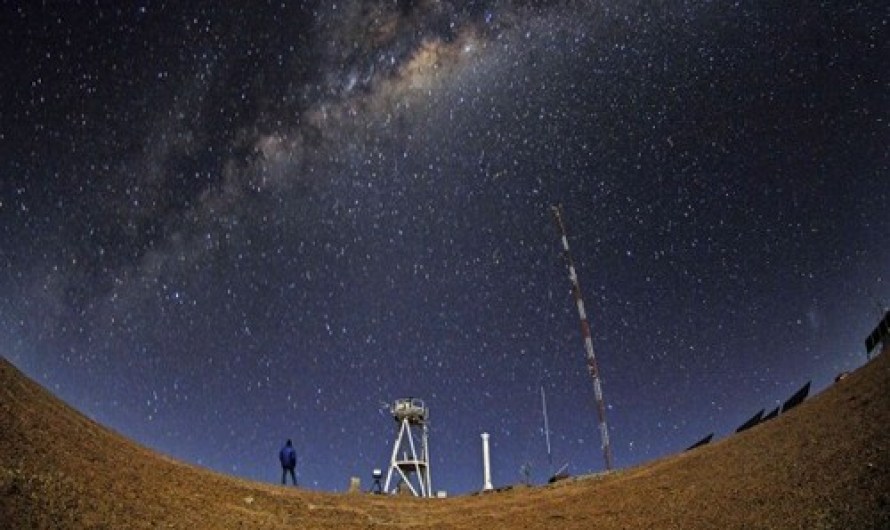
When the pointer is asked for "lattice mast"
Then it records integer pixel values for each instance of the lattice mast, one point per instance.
(585, 332)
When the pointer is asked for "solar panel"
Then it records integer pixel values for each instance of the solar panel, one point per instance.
(880, 334)
(773, 413)
(797, 398)
(704, 441)
(755, 419)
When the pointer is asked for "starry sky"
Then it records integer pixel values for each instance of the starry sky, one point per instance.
(225, 224)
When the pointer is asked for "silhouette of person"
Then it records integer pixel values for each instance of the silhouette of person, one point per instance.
(288, 458)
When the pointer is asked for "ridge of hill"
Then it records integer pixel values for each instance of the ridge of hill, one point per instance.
(825, 464)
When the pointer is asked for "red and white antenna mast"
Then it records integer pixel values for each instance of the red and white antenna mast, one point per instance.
(585, 332)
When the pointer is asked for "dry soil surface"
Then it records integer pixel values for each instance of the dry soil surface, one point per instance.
(825, 464)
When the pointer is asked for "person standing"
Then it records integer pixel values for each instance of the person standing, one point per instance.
(288, 458)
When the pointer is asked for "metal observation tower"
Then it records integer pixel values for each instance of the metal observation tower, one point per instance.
(410, 459)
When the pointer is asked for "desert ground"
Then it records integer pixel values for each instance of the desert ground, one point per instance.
(824, 464)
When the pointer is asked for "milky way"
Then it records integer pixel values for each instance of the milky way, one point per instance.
(228, 225)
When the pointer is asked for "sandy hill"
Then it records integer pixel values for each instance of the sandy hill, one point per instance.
(825, 464)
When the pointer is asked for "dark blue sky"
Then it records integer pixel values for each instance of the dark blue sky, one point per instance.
(225, 225)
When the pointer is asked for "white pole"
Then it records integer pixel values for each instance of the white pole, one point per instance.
(426, 458)
(486, 463)
(547, 430)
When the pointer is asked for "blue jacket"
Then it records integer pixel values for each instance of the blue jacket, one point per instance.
(288, 457)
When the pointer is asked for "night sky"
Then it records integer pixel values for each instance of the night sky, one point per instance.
(225, 224)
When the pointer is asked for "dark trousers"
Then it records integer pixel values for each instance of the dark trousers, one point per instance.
(285, 471)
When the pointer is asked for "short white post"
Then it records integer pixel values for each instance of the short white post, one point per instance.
(486, 463)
